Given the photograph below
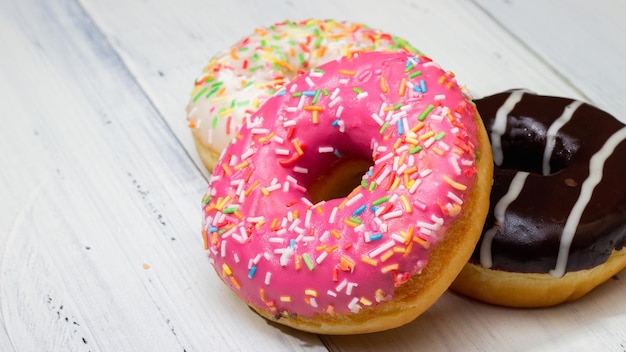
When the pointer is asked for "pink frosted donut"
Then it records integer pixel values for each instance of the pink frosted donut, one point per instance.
(239, 79)
(302, 248)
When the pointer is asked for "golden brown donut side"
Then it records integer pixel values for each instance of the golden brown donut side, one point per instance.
(208, 156)
(528, 290)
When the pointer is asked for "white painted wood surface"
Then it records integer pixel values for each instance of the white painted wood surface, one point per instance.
(100, 185)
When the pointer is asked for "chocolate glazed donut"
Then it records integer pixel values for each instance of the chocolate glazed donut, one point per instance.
(558, 203)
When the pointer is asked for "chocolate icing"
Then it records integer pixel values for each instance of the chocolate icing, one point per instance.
(532, 230)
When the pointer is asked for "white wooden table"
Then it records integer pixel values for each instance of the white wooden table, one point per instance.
(100, 185)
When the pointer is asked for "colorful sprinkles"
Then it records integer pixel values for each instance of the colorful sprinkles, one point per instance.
(238, 80)
(293, 256)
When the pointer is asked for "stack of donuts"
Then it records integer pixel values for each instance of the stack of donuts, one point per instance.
(352, 182)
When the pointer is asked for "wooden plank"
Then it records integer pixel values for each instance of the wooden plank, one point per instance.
(454, 324)
(581, 41)
(102, 250)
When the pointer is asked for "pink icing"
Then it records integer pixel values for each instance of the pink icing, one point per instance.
(280, 252)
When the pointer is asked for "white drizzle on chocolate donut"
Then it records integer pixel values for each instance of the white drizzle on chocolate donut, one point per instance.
(499, 126)
(553, 130)
(559, 200)
(596, 165)
(514, 190)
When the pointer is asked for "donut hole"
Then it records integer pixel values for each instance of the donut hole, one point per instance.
(338, 180)
(524, 145)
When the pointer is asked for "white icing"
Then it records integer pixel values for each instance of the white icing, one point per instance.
(552, 132)
(499, 124)
(596, 166)
(516, 186)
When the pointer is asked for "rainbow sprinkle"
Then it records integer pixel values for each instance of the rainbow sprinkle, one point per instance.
(288, 254)
(238, 80)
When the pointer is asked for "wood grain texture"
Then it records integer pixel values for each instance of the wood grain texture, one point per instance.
(103, 254)
(580, 41)
(100, 184)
